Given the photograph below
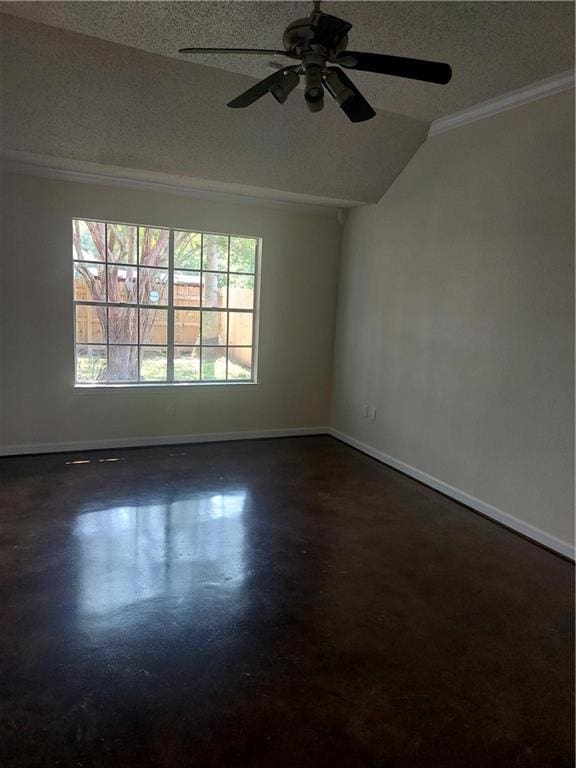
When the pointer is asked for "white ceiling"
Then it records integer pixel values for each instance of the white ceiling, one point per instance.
(493, 47)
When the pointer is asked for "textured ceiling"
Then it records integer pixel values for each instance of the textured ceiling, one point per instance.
(66, 95)
(493, 47)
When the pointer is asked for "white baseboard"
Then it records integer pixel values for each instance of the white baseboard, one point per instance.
(141, 442)
(530, 531)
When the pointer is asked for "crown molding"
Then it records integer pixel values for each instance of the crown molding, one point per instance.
(539, 90)
(82, 172)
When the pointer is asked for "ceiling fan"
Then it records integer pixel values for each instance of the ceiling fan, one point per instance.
(319, 43)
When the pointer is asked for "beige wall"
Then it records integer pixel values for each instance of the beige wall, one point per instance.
(456, 309)
(300, 265)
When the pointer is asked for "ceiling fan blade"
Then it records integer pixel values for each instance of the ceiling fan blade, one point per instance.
(349, 98)
(261, 88)
(399, 66)
(256, 51)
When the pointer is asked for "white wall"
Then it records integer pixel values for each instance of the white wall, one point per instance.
(300, 266)
(456, 315)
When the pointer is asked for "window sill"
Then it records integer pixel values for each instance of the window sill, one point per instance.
(103, 388)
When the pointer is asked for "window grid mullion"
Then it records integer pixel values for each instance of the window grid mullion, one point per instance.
(255, 309)
(215, 271)
(107, 305)
(200, 303)
(125, 305)
(170, 314)
(227, 307)
(138, 350)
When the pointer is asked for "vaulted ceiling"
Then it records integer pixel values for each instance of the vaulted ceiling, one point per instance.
(493, 47)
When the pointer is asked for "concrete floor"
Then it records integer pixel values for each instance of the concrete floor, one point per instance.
(268, 604)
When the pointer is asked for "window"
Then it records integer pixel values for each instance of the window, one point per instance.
(159, 306)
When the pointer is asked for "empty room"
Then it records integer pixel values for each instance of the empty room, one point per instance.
(287, 384)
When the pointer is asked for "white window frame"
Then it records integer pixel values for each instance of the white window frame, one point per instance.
(170, 346)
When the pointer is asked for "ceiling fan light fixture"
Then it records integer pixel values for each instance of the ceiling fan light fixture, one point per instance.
(337, 88)
(314, 91)
(347, 96)
(282, 89)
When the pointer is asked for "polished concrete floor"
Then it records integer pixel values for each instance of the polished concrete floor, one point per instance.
(271, 603)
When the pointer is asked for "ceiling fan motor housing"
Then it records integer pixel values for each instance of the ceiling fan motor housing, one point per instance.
(315, 40)
(318, 32)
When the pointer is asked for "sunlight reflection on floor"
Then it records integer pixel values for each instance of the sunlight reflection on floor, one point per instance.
(130, 554)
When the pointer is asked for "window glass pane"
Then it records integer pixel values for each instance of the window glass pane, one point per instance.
(153, 286)
(214, 289)
(186, 363)
(213, 364)
(153, 326)
(187, 250)
(123, 325)
(88, 240)
(89, 282)
(119, 266)
(240, 328)
(241, 292)
(121, 284)
(186, 289)
(154, 246)
(122, 240)
(90, 324)
(186, 326)
(213, 328)
(90, 364)
(239, 363)
(215, 253)
(122, 363)
(153, 363)
(242, 254)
